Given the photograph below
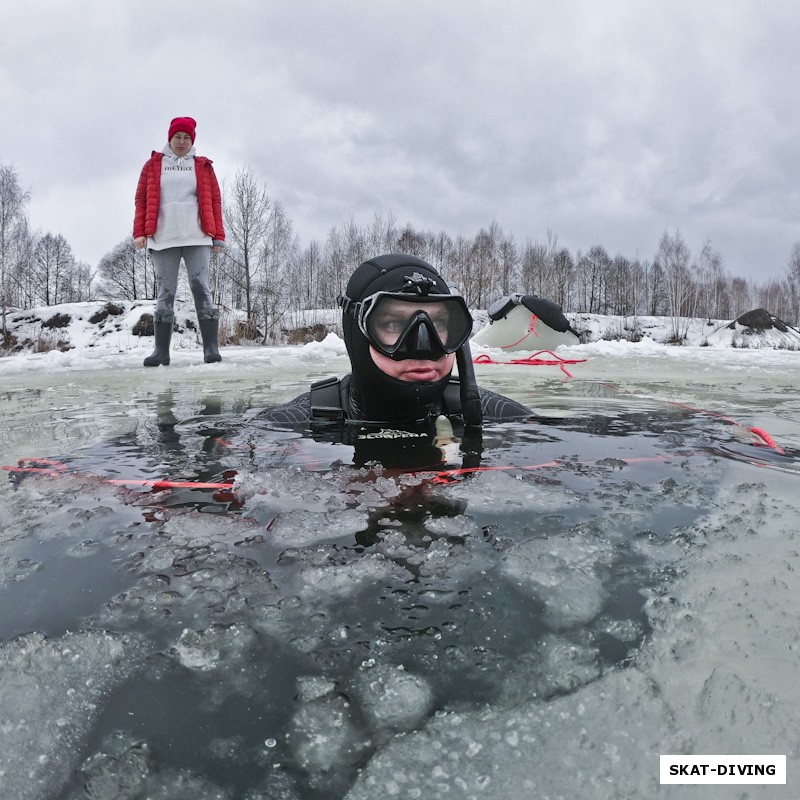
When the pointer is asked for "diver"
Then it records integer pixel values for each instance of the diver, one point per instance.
(404, 330)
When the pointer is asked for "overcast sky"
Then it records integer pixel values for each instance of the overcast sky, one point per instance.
(604, 122)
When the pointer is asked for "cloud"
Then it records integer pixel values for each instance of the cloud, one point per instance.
(606, 123)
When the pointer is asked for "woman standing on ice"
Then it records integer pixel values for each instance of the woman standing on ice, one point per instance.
(179, 215)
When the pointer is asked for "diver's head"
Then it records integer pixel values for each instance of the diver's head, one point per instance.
(402, 328)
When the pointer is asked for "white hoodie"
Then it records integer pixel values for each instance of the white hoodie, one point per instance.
(178, 209)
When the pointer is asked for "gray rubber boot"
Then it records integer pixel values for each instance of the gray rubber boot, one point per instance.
(209, 330)
(163, 335)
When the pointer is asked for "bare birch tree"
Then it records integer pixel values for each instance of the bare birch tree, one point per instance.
(303, 282)
(382, 234)
(345, 249)
(438, 248)
(623, 287)
(246, 213)
(793, 283)
(411, 243)
(673, 258)
(538, 264)
(592, 276)
(13, 234)
(484, 266)
(54, 262)
(740, 297)
(277, 259)
(127, 273)
(710, 278)
(509, 278)
(561, 287)
(458, 268)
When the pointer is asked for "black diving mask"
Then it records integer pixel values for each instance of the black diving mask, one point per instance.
(402, 325)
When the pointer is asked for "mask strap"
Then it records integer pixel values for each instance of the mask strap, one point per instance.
(345, 303)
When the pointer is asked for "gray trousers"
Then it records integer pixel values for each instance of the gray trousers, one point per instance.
(167, 262)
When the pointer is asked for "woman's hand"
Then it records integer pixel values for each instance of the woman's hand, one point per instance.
(139, 242)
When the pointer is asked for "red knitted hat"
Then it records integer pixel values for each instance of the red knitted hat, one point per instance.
(182, 125)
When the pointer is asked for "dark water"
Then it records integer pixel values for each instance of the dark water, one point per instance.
(275, 625)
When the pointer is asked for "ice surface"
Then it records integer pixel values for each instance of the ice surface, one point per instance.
(126, 769)
(191, 587)
(326, 739)
(77, 504)
(120, 770)
(209, 649)
(348, 624)
(556, 665)
(299, 488)
(504, 490)
(724, 652)
(334, 727)
(51, 692)
(199, 591)
(326, 584)
(572, 746)
(717, 675)
(392, 699)
(565, 572)
(300, 528)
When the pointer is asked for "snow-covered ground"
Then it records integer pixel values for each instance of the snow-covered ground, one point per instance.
(94, 330)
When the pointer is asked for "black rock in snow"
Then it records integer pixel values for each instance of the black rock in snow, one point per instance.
(759, 320)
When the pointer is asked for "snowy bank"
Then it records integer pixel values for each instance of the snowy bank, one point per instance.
(125, 326)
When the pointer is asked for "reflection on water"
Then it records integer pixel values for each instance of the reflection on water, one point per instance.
(280, 639)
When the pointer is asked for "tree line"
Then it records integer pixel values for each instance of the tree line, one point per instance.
(266, 272)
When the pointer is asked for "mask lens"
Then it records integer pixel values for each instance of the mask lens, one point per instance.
(389, 320)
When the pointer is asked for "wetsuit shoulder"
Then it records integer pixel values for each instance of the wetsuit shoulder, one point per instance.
(499, 407)
(291, 413)
(326, 397)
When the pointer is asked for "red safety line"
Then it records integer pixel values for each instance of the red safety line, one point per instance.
(47, 466)
(443, 476)
(768, 440)
(534, 360)
(758, 432)
(58, 469)
(439, 476)
(450, 475)
(531, 330)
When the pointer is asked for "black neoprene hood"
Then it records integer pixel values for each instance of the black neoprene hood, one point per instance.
(374, 394)
(388, 274)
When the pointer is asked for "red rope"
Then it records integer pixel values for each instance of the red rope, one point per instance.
(443, 476)
(760, 433)
(451, 475)
(531, 330)
(534, 360)
(47, 466)
(767, 439)
(59, 469)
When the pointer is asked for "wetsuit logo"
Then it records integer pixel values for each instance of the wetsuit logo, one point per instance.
(389, 433)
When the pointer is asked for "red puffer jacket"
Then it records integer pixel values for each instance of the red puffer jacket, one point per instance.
(148, 197)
